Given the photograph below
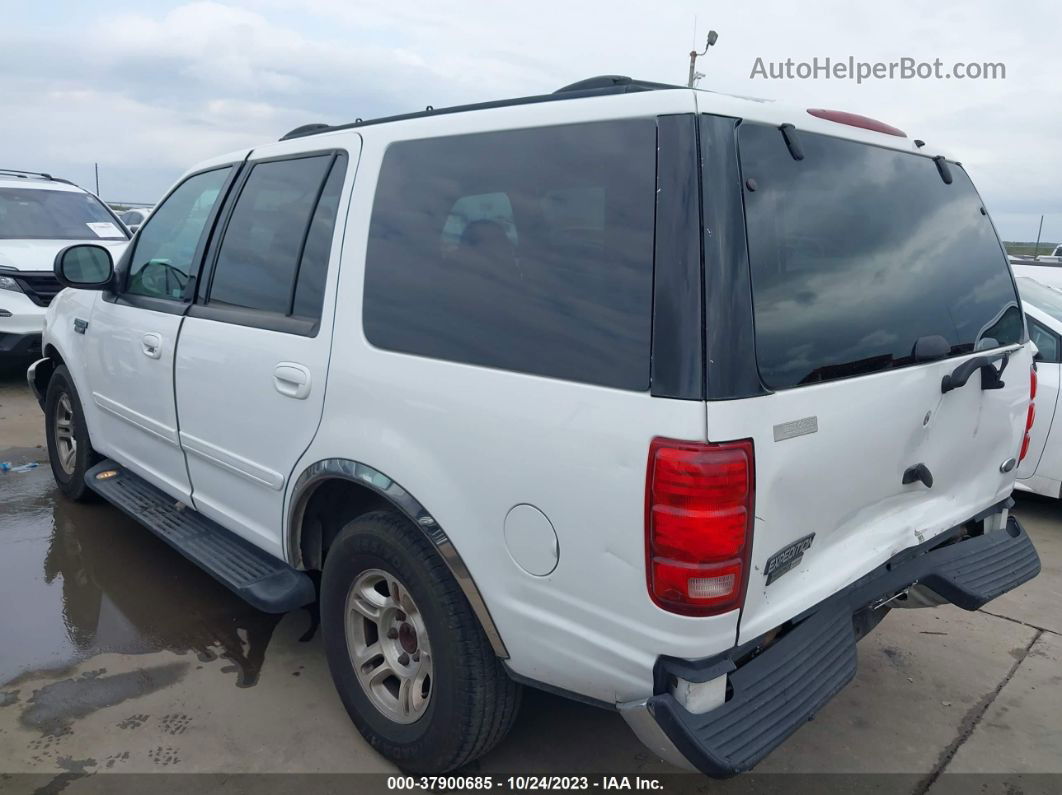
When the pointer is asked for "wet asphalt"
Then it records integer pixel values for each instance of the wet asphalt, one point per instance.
(118, 655)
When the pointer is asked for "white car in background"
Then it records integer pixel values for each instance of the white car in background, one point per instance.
(134, 217)
(39, 216)
(1041, 470)
(1045, 270)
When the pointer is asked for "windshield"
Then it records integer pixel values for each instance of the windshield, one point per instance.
(1046, 299)
(859, 251)
(32, 213)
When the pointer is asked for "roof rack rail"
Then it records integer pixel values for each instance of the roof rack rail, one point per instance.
(603, 85)
(15, 172)
(621, 84)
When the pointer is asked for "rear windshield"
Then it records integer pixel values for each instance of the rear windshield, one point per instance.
(857, 251)
(33, 213)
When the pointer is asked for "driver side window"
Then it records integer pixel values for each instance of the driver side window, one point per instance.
(163, 260)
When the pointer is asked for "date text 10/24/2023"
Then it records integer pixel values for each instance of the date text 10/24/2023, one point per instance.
(520, 783)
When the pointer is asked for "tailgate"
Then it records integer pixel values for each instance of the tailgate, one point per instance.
(830, 461)
(874, 273)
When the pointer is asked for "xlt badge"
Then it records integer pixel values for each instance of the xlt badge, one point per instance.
(786, 558)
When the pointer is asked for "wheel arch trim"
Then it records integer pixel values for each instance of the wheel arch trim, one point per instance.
(344, 469)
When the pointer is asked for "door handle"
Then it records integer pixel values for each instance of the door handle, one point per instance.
(151, 345)
(291, 380)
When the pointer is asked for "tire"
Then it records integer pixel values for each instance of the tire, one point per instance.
(64, 420)
(471, 702)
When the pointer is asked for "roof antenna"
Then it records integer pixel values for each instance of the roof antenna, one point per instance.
(713, 37)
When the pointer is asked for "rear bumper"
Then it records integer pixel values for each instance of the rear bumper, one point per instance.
(776, 687)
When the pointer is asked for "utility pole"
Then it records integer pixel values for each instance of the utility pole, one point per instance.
(1036, 251)
(713, 37)
(97, 165)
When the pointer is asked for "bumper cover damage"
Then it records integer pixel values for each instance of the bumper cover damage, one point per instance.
(773, 691)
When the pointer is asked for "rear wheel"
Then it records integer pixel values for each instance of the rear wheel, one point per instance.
(69, 449)
(409, 659)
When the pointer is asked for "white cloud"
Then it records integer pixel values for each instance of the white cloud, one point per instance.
(147, 92)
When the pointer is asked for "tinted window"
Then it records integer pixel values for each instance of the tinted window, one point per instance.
(259, 255)
(528, 250)
(32, 213)
(162, 262)
(314, 267)
(1046, 342)
(857, 251)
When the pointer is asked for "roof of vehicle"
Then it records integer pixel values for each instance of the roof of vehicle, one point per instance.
(835, 123)
(13, 178)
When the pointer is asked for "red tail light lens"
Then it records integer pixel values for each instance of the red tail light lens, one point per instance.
(699, 501)
(1030, 417)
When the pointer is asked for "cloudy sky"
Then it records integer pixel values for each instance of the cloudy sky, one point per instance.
(148, 88)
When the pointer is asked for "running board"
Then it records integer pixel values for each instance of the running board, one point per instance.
(252, 574)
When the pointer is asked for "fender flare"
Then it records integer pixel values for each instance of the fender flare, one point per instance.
(330, 469)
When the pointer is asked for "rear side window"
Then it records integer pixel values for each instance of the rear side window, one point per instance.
(526, 250)
(274, 253)
(858, 251)
(1045, 340)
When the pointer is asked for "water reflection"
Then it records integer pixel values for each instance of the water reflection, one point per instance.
(112, 587)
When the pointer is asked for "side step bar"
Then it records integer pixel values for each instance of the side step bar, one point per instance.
(265, 582)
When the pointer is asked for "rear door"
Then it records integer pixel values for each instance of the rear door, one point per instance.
(858, 253)
(253, 353)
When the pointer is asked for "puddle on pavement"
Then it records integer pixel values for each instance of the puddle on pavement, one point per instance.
(79, 580)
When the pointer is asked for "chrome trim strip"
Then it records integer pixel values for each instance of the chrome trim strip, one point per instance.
(136, 419)
(238, 465)
(646, 729)
(363, 474)
(31, 378)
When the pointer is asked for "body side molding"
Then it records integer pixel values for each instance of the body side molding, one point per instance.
(364, 475)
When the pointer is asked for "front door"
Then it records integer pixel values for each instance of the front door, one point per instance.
(253, 353)
(132, 337)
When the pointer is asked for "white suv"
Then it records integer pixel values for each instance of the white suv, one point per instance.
(39, 216)
(653, 397)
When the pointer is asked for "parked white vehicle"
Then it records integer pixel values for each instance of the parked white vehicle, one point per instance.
(1044, 270)
(480, 368)
(134, 217)
(1041, 471)
(39, 216)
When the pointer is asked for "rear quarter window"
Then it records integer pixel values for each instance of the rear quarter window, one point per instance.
(526, 250)
(857, 251)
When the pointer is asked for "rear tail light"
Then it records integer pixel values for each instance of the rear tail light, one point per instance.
(699, 501)
(1030, 416)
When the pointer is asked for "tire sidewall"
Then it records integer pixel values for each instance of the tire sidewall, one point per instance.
(73, 484)
(418, 742)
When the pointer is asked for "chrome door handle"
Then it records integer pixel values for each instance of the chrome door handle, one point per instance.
(291, 380)
(151, 345)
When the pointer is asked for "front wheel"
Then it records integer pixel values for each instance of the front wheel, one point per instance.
(69, 450)
(408, 657)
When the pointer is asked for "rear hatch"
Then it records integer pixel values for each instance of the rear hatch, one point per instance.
(873, 278)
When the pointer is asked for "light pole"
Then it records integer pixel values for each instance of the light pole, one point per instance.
(713, 37)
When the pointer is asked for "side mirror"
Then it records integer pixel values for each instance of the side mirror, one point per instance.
(84, 266)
